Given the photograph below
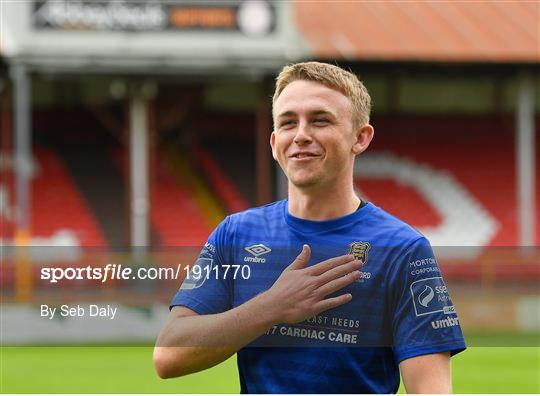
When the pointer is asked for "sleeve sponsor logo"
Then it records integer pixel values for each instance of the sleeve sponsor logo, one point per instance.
(430, 295)
(210, 248)
(423, 262)
(193, 281)
(426, 296)
(443, 323)
(423, 266)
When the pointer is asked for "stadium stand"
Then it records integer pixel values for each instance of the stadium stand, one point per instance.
(177, 216)
(464, 221)
(99, 181)
(235, 160)
(476, 157)
(393, 195)
(461, 195)
(60, 213)
(222, 185)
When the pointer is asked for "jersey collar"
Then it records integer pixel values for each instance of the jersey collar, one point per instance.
(313, 226)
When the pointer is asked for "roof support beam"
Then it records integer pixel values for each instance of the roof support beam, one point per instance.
(22, 86)
(138, 166)
(525, 162)
(23, 147)
(263, 128)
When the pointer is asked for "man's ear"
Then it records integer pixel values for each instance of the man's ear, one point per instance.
(364, 135)
(273, 144)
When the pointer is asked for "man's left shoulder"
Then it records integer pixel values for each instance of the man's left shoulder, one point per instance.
(395, 231)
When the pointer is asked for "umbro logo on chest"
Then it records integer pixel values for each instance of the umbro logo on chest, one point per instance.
(256, 251)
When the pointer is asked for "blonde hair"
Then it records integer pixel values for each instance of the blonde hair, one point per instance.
(333, 77)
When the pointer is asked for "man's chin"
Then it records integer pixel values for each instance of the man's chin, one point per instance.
(305, 182)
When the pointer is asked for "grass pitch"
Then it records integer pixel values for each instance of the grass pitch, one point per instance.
(130, 370)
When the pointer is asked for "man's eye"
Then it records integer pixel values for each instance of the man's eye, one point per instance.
(321, 121)
(287, 124)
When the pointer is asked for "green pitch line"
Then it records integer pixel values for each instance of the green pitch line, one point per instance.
(130, 370)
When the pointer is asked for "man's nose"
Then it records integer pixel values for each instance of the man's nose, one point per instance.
(303, 134)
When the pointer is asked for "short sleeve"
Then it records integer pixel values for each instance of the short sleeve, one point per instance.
(424, 319)
(205, 290)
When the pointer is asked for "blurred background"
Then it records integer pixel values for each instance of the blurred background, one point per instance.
(129, 129)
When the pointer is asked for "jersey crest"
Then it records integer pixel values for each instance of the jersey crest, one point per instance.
(360, 250)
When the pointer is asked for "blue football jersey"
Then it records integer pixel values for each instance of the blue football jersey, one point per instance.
(400, 308)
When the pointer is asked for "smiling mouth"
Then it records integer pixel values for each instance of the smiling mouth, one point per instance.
(304, 156)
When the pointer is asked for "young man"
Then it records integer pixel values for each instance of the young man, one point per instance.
(362, 301)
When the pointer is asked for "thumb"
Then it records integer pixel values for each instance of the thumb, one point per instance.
(302, 259)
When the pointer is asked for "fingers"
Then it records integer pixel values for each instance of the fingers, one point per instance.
(302, 259)
(339, 271)
(333, 302)
(327, 265)
(338, 283)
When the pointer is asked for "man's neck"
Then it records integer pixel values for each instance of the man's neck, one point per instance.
(322, 205)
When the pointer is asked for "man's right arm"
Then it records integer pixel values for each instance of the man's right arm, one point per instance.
(190, 342)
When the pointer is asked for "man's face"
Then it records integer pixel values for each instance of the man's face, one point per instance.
(313, 140)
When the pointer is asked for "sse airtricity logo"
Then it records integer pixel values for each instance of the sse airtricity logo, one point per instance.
(256, 251)
(425, 297)
(430, 295)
